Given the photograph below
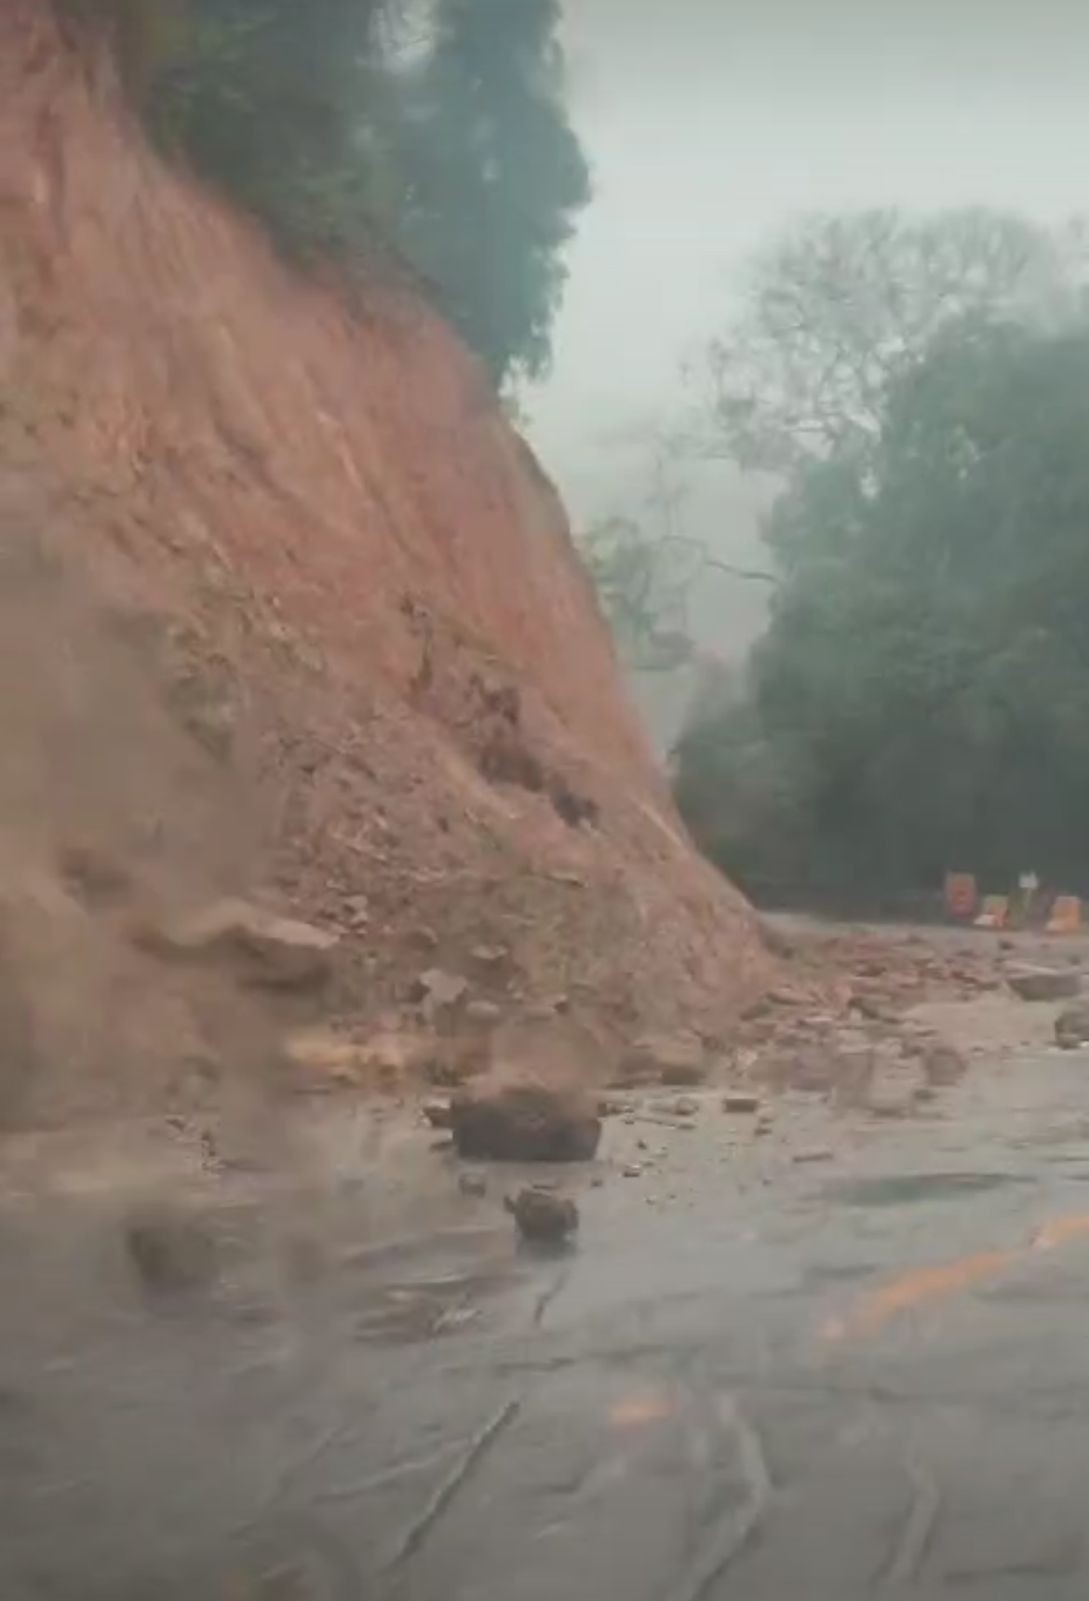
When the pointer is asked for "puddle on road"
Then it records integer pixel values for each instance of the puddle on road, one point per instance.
(909, 1189)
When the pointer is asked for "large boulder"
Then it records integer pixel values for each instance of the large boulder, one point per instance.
(524, 1122)
(1044, 983)
(272, 952)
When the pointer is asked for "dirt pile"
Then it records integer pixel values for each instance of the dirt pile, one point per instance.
(357, 584)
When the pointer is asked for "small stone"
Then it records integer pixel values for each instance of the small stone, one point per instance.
(357, 910)
(607, 1106)
(474, 1184)
(678, 1062)
(818, 1153)
(489, 956)
(486, 1012)
(684, 1106)
(439, 990)
(541, 1215)
(1044, 983)
(632, 1170)
(438, 1114)
(274, 952)
(741, 1103)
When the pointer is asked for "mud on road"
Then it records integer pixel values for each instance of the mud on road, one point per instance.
(833, 1354)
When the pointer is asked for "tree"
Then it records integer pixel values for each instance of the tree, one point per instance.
(290, 109)
(839, 307)
(447, 154)
(646, 566)
(921, 698)
(498, 177)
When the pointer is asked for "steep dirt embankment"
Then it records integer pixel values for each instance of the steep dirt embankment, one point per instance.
(361, 582)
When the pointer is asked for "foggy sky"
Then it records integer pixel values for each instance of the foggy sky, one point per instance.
(709, 122)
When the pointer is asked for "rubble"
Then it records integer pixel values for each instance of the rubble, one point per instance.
(1044, 983)
(272, 952)
(543, 1216)
(524, 1122)
(678, 1061)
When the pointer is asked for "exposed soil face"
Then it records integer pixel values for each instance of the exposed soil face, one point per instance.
(357, 585)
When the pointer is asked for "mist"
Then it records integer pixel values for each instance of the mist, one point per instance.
(709, 125)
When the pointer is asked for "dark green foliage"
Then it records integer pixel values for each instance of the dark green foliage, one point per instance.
(921, 699)
(454, 158)
(498, 176)
(288, 108)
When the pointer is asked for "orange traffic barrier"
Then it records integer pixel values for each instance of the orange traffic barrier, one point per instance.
(1065, 915)
(995, 913)
(961, 895)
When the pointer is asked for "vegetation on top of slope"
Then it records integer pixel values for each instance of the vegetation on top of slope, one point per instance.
(920, 700)
(433, 134)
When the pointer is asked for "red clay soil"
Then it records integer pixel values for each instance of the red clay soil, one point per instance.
(361, 582)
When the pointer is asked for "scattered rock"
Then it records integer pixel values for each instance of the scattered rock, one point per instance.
(609, 1106)
(275, 952)
(437, 990)
(474, 1184)
(357, 911)
(329, 1058)
(1072, 1027)
(684, 1106)
(543, 1216)
(871, 1007)
(677, 1061)
(484, 1012)
(632, 1170)
(490, 957)
(741, 1102)
(1044, 983)
(438, 1114)
(524, 1122)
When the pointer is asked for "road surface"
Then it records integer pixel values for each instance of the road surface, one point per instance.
(849, 1358)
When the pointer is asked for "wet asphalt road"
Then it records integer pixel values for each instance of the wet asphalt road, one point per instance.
(863, 1374)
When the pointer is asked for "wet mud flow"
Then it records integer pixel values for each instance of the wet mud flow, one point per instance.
(754, 1376)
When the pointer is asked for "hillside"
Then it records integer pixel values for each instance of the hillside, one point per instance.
(346, 577)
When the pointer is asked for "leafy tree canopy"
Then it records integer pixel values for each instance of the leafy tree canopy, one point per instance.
(358, 130)
(921, 698)
(839, 307)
